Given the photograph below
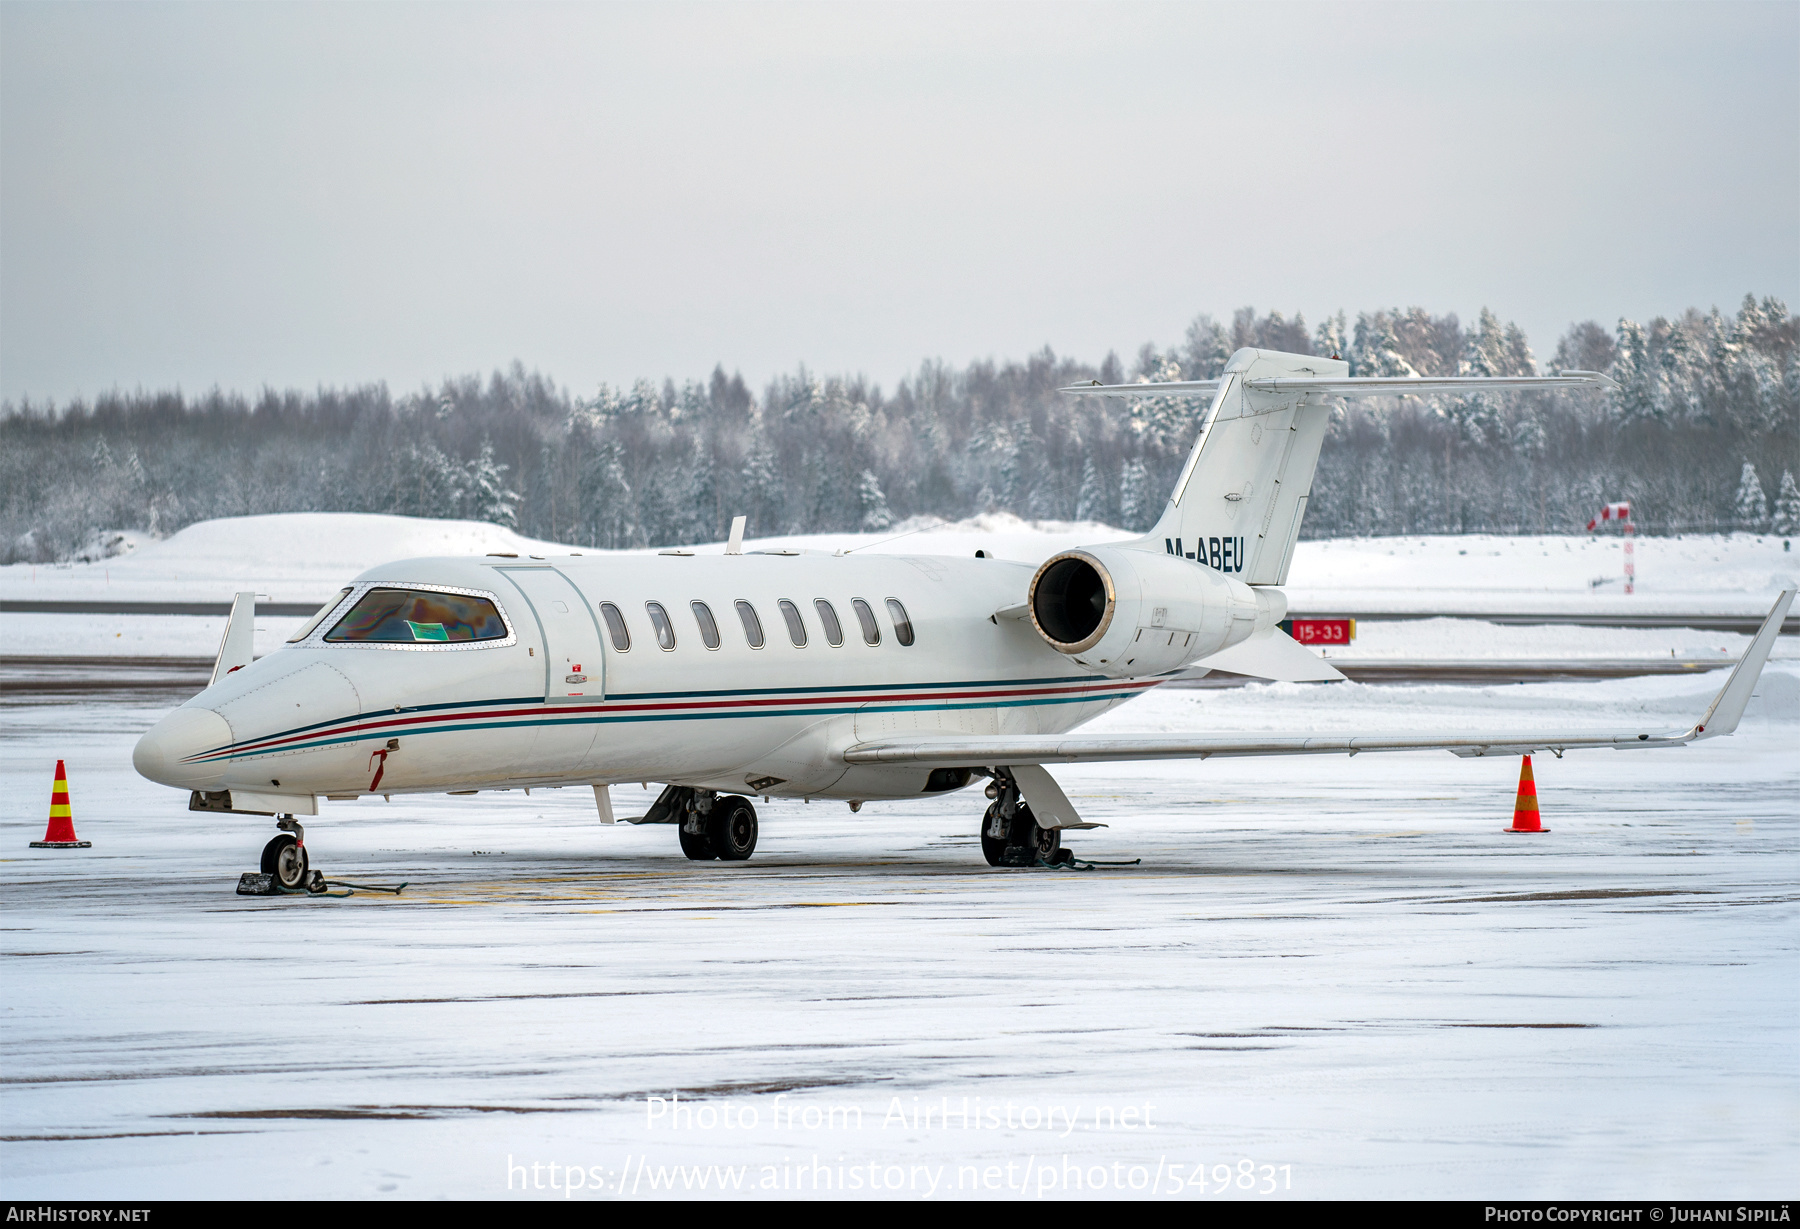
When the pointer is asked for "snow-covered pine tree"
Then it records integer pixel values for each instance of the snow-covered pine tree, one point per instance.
(872, 502)
(1787, 506)
(1206, 349)
(1134, 495)
(1636, 374)
(612, 505)
(1376, 350)
(1162, 422)
(1751, 509)
(1489, 353)
(485, 494)
(1090, 500)
(764, 494)
(1332, 337)
(426, 483)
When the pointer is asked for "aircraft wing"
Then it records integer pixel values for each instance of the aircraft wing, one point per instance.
(1354, 386)
(952, 751)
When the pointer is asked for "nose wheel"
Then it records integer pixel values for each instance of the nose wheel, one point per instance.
(284, 858)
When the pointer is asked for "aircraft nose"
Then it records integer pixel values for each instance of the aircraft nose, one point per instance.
(184, 732)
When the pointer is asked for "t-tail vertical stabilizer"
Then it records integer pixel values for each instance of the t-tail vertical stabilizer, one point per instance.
(1238, 504)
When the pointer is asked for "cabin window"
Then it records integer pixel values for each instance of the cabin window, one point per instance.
(615, 626)
(312, 624)
(752, 624)
(709, 631)
(834, 634)
(871, 630)
(418, 616)
(903, 631)
(659, 619)
(790, 614)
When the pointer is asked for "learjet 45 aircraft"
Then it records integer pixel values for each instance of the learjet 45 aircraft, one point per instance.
(806, 674)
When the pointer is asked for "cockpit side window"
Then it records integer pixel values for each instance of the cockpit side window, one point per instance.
(312, 624)
(418, 616)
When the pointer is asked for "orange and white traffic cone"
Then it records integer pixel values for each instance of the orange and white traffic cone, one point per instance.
(1525, 807)
(60, 834)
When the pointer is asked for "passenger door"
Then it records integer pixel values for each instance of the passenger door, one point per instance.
(574, 670)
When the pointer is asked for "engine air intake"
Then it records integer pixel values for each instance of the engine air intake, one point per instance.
(1072, 601)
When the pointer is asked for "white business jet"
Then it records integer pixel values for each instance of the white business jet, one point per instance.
(806, 674)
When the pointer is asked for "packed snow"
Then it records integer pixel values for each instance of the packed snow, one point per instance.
(1337, 969)
(305, 557)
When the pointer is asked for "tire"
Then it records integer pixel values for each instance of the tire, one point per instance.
(285, 859)
(1024, 839)
(993, 848)
(731, 827)
(696, 845)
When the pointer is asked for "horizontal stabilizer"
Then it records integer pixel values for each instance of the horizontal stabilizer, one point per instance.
(1277, 657)
(1354, 386)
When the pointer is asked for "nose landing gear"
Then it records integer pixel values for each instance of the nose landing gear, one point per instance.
(284, 859)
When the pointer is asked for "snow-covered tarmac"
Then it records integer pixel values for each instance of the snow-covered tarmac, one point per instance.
(1336, 972)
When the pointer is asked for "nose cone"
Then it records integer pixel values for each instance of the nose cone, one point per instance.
(185, 732)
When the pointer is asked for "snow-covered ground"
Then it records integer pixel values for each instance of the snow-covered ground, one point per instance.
(1329, 977)
(305, 557)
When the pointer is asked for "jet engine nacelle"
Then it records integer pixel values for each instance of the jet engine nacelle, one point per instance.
(1131, 613)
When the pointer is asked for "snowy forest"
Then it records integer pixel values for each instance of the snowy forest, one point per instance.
(1701, 437)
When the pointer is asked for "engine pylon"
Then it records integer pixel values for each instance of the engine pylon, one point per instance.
(1525, 806)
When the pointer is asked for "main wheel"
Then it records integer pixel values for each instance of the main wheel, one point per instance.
(993, 848)
(732, 828)
(696, 845)
(285, 859)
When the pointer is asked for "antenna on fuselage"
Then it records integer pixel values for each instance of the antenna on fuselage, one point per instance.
(938, 524)
(734, 545)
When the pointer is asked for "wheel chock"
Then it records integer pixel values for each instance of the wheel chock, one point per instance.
(253, 883)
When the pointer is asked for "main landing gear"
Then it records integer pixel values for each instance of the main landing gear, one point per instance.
(1010, 835)
(710, 826)
(284, 858)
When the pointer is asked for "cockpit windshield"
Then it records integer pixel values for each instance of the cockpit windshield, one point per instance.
(307, 628)
(418, 616)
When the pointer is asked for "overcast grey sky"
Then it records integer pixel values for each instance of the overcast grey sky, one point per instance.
(293, 195)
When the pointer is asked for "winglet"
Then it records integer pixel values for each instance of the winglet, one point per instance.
(1728, 706)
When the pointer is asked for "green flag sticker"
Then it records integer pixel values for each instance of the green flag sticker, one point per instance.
(428, 631)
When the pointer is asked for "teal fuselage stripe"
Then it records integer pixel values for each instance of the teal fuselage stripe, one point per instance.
(621, 718)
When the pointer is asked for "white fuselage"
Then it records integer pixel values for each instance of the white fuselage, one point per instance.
(556, 703)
